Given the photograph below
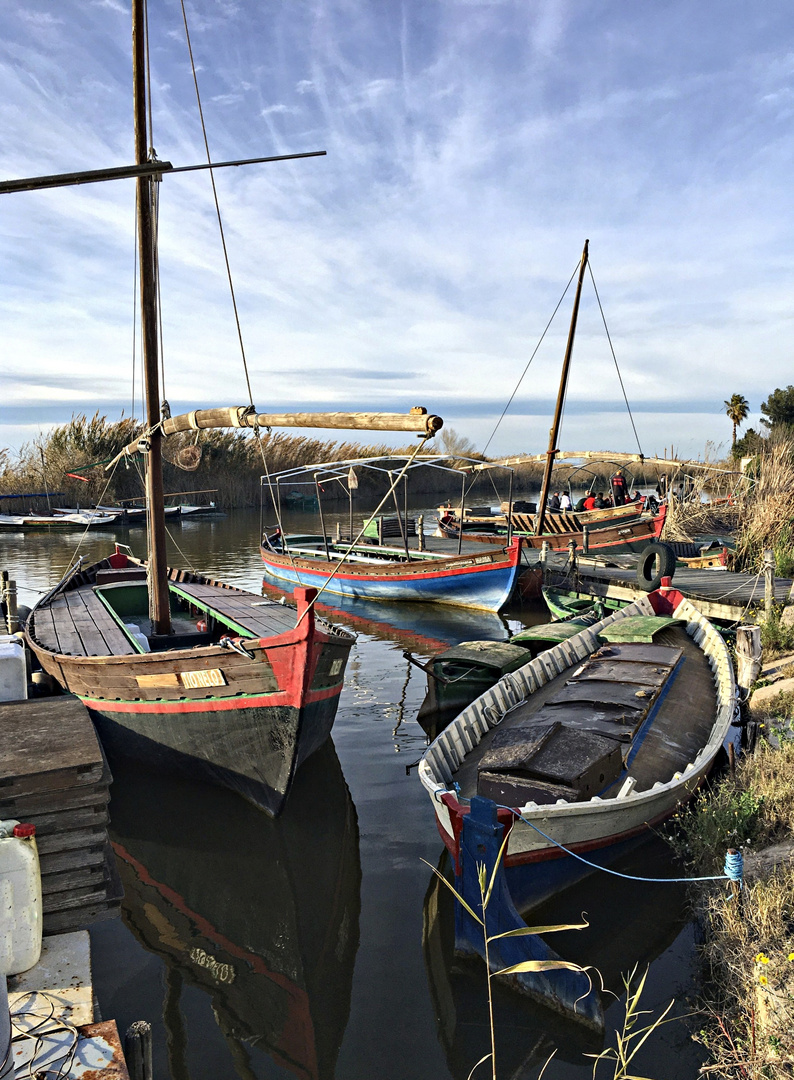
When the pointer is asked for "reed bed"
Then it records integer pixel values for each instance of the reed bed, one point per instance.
(708, 505)
(70, 460)
(766, 511)
(747, 996)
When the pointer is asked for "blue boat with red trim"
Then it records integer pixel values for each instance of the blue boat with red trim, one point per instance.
(483, 580)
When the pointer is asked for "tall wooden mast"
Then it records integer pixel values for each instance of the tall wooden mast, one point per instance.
(159, 609)
(540, 519)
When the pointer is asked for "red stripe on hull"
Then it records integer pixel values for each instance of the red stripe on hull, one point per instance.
(221, 705)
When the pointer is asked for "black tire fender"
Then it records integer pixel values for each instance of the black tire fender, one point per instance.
(654, 555)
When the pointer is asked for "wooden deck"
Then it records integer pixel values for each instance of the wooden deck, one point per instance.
(243, 612)
(77, 623)
(719, 594)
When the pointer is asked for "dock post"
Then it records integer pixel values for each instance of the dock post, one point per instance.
(138, 1050)
(12, 617)
(420, 532)
(769, 581)
(544, 553)
(585, 539)
(572, 553)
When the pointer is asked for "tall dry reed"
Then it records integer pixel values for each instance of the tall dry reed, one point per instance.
(766, 511)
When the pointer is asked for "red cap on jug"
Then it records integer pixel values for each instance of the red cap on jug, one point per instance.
(24, 831)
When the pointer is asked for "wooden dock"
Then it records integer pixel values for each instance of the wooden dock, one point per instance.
(53, 774)
(719, 594)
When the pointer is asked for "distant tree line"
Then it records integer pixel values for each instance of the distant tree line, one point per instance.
(777, 422)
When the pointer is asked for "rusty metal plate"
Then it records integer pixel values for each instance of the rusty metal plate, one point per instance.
(91, 1052)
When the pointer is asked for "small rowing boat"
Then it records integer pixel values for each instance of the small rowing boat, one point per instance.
(595, 741)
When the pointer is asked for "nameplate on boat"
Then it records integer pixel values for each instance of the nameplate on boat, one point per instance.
(191, 680)
(208, 677)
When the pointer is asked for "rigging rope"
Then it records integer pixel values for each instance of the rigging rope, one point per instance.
(611, 349)
(532, 357)
(257, 432)
(217, 204)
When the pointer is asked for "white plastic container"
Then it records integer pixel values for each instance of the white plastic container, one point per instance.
(20, 898)
(13, 670)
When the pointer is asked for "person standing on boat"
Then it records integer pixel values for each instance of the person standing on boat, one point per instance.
(565, 502)
(618, 489)
(554, 502)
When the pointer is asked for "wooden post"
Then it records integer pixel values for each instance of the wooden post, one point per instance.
(544, 553)
(159, 597)
(585, 539)
(138, 1050)
(572, 553)
(12, 619)
(420, 532)
(748, 656)
(736, 886)
(769, 582)
(540, 520)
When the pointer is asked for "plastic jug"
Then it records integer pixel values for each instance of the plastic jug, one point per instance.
(13, 668)
(20, 898)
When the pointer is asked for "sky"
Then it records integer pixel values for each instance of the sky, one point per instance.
(472, 146)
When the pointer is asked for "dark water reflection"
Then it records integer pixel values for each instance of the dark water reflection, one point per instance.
(301, 947)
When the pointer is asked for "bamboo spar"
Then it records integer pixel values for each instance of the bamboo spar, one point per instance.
(417, 420)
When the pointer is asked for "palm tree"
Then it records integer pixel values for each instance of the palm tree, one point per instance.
(737, 410)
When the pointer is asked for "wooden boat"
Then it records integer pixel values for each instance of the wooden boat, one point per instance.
(136, 515)
(483, 581)
(257, 918)
(60, 520)
(568, 604)
(175, 668)
(523, 522)
(375, 570)
(590, 743)
(459, 675)
(620, 537)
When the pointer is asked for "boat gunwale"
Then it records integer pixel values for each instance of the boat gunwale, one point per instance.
(467, 728)
(323, 631)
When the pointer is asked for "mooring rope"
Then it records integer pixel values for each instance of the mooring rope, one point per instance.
(734, 862)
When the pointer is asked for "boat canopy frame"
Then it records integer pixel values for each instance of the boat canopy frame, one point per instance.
(340, 472)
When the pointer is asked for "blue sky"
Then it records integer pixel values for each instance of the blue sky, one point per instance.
(472, 146)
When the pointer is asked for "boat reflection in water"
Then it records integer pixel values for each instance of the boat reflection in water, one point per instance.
(262, 914)
(630, 923)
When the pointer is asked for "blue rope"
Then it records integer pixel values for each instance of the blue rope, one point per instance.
(735, 867)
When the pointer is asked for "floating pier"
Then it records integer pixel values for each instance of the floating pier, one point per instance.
(719, 594)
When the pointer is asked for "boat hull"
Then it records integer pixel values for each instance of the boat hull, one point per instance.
(244, 717)
(538, 833)
(261, 747)
(476, 581)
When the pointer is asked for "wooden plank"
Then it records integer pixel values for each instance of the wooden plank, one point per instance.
(48, 744)
(73, 859)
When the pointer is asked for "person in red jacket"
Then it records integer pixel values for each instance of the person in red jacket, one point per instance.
(589, 503)
(619, 489)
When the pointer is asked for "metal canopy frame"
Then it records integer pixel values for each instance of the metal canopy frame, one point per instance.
(339, 471)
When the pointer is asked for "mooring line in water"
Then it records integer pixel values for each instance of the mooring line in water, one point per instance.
(734, 862)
